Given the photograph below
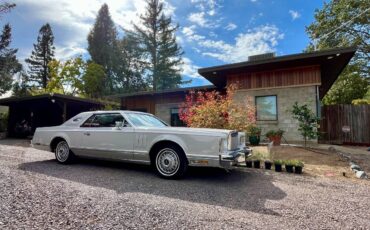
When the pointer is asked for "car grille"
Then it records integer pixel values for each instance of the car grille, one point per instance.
(233, 141)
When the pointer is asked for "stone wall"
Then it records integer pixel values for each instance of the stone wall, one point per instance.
(286, 97)
(163, 111)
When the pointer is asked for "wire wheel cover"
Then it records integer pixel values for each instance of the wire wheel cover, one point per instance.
(62, 151)
(167, 162)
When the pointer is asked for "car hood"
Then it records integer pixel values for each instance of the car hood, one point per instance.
(186, 130)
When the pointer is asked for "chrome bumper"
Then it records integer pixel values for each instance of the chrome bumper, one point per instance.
(235, 158)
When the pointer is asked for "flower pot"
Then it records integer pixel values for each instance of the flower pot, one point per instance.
(289, 168)
(298, 169)
(278, 168)
(276, 140)
(249, 164)
(254, 140)
(268, 165)
(256, 164)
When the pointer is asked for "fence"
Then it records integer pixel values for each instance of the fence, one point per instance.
(345, 124)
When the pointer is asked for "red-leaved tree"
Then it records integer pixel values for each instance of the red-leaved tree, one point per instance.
(215, 110)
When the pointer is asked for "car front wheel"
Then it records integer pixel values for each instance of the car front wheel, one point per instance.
(170, 162)
(62, 153)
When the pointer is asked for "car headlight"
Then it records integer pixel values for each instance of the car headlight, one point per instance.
(223, 145)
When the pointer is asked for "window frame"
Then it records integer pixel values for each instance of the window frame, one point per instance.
(277, 109)
(184, 125)
(97, 114)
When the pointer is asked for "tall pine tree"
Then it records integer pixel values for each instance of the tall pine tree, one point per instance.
(102, 45)
(131, 66)
(42, 54)
(9, 64)
(157, 36)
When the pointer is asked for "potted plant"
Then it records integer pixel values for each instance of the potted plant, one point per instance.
(257, 160)
(268, 164)
(298, 166)
(289, 166)
(278, 165)
(257, 163)
(249, 163)
(254, 134)
(275, 136)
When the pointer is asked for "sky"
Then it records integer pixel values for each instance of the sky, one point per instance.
(211, 32)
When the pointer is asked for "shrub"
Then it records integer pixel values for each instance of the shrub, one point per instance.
(361, 102)
(307, 121)
(214, 110)
(273, 133)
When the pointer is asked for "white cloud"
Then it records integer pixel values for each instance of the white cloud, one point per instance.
(253, 0)
(204, 17)
(231, 26)
(294, 14)
(190, 34)
(189, 69)
(256, 41)
(199, 19)
(210, 6)
(76, 18)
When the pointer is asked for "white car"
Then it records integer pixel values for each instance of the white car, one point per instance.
(142, 138)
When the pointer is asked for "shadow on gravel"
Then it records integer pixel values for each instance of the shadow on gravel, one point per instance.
(239, 189)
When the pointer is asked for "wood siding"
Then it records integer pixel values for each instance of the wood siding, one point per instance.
(334, 117)
(148, 102)
(277, 78)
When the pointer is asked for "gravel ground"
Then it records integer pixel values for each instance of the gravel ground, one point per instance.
(38, 193)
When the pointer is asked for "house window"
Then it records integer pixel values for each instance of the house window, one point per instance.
(175, 118)
(266, 108)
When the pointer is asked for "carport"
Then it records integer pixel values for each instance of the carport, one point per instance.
(30, 112)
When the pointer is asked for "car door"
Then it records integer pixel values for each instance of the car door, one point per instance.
(102, 139)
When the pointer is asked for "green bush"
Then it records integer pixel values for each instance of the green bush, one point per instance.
(361, 102)
(274, 133)
(307, 120)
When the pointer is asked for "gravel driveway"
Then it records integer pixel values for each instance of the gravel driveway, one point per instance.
(36, 192)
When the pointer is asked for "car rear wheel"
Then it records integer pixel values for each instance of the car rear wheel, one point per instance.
(62, 153)
(170, 162)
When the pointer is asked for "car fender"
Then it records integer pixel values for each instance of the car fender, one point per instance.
(168, 137)
(61, 135)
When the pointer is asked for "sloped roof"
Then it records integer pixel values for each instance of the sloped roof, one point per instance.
(331, 62)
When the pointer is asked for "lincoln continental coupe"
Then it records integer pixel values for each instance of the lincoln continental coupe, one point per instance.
(142, 138)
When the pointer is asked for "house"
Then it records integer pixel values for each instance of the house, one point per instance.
(274, 84)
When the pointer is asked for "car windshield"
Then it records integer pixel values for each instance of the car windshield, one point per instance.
(145, 120)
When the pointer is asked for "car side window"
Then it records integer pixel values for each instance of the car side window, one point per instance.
(104, 120)
(90, 122)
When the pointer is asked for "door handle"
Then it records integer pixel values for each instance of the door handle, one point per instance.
(87, 134)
